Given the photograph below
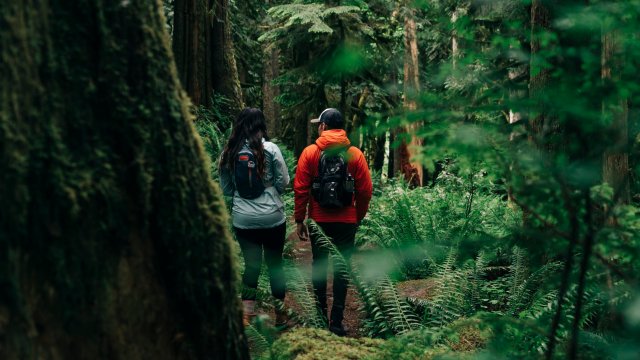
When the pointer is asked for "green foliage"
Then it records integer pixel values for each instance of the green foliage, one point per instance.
(214, 128)
(422, 224)
(311, 15)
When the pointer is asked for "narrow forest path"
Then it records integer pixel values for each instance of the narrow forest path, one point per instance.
(303, 258)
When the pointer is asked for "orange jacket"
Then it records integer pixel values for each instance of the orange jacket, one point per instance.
(308, 169)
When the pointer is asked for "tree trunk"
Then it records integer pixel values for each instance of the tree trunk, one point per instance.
(116, 245)
(270, 91)
(192, 48)
(455, 46)
(412, 171)
(391, 166)
(379, 152)
(615, 171)
(541, 121)
(359, 137)
(223, 63)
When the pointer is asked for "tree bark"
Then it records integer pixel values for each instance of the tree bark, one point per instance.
(116, 245)
(379, 152)
(615, 170)
(412, 171)
(192, 48)
(223, 63)
(270, 91)
(541, 122)
(455, 46)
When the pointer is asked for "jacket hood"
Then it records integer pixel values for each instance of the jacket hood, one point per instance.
(334, 137)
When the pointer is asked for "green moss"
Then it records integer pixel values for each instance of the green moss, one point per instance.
(460, 341)
(312, 344)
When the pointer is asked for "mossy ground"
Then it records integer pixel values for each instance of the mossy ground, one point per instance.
(315, 344)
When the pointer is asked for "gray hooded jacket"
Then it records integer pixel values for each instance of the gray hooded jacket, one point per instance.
(267, 210)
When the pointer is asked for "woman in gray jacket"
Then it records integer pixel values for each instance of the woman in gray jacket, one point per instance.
(253, 171)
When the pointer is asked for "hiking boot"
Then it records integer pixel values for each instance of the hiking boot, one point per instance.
(335, 326)
(248, 311)
(337, 329)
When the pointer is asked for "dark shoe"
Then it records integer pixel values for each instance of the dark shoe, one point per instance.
(337, 329)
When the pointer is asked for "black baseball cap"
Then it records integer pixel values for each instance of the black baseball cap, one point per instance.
(331, 117)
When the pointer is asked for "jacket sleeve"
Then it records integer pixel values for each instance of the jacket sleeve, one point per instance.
(302, 185)
(280, 171)
(363, 186)
(226, 182)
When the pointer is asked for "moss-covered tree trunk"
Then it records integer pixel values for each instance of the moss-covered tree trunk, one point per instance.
(192, 48)
(223, 63)
(113, 240)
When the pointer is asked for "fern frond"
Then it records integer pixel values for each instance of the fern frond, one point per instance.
(311, 15)
(259, 345)
(302, 291)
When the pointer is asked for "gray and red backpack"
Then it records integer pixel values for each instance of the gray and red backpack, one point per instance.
(248, 181)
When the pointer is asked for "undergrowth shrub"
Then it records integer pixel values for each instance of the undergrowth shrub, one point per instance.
(420, 225)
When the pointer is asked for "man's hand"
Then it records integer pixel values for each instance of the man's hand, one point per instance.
(302, 231)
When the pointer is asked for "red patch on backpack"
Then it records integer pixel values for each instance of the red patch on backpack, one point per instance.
(243, 158)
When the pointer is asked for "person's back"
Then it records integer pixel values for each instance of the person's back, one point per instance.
(258, 213)
(338, 223)
(308, 169)
(266, 210)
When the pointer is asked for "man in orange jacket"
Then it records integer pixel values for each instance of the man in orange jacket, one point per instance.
(339, 224)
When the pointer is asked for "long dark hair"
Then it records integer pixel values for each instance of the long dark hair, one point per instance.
(249, 125)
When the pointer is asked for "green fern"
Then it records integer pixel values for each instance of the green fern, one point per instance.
(312, 16)
(452, 287)
(259, 344)
(302, 291)
(523, 287)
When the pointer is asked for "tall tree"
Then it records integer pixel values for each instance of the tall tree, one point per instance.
(204, 52)
(615, 169)
(192, 48)
(541, 120)
(116, 245)
(411, 172)
(223, 65)
(271, 91)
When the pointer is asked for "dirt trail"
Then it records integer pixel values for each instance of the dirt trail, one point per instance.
(303, 258)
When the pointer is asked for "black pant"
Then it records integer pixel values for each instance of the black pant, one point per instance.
(252, 241)
(342, 235)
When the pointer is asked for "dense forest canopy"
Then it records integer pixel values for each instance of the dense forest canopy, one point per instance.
(503, 138)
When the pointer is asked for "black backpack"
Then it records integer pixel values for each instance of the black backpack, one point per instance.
(334, 186)
(247, 180)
